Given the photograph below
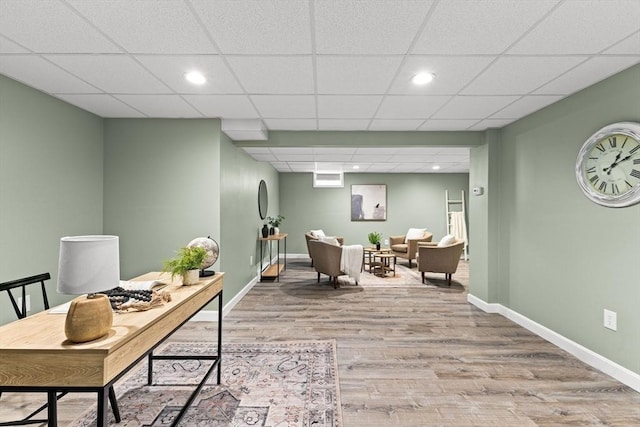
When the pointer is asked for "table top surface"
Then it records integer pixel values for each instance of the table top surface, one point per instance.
(384, 255)
(374, 250)
(274, 236)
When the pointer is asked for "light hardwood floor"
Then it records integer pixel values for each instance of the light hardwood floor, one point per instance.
(420, 356)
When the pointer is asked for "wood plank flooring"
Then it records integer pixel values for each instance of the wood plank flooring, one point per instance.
(418, 356)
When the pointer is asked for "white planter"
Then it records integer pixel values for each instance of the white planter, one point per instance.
(191, 277)
(276, 231)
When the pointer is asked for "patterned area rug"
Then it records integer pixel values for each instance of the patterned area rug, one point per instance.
(268, 384)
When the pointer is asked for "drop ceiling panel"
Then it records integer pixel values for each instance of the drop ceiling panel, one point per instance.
(410, 107)
(258, 27)
(353, 75)
(480, 27)
(7, 46)
(491, 124)
(357, 27)
(269, 75)
(339, 151)
(51, 27)
(101, 105)
(505, 75)
(342, 124)
(285, 106)
(170, 69)
(395, 125)
(228, 106)
(628, 46)
(111, 73)
(291, 124)
(43, 75)
(588, 73)
(281, 151)
(525, 105)
(595, 25)
(448, 125)
(347, 107)
(148, 26)
(171, 106)
(474, 107)
(452, 74)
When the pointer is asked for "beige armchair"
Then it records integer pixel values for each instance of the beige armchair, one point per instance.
(439, 259)
(308, 236)
(326, 259)
(407, 249)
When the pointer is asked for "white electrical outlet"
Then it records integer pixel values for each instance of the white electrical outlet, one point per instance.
(610, 320)
(28, 303)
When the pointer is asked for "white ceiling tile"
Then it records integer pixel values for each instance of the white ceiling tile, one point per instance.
(50, 27)
(382, 167)
(473, 107)
(264, 157)
(102, 105)
(347, 107)
(147, 26)
(112, 73)
(227, 106)
(587, 33)
(43, 75)
(410, 107)
(454, 151)
(351, 74)
(285, 106)
(478, 27)
(396, 125)
(301, 166)
(279, 151)
(437, 124)
(272, 75)
(332, 157)
(8, 46)
(354, 26)
(171, 69)
(258, 27)
(171, 106)
(342, 124)
(524, 106)
(452, 74)
(292, 157)
(257, 150)
(291, 124)
(588, 73)
(377, 150)
(281, 166)
(628, 46)
(372, 158)
(504, 77)
(491, 124)
(340, 151)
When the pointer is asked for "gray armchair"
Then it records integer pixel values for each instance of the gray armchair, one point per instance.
(326, 259)
(308, 236)
(439, 259)
(409, 249)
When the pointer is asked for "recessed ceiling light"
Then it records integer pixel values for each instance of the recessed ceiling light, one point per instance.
(422, 78)
(435, 167)
(195, 77)
(356, 167)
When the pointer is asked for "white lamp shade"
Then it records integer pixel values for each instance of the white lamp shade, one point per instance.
(88, 264)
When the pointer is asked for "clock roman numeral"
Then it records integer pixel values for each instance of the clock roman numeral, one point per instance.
(614, 188)
(603, 187)
(592, 169)
(594, 179)
(600, 147)
(625, 142)
(634, 149)
(636, 161)
(635, 173)
(628, 184)
(612, 142)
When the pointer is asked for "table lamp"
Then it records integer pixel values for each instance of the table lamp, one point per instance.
(88, 265)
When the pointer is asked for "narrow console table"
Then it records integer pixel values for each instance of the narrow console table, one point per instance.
(273, 270)
(35, 355)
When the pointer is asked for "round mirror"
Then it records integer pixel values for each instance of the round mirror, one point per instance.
(263, 199)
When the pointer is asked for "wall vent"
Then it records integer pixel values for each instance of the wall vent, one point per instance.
(328, 179)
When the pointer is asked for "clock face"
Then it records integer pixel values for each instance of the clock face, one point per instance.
(608, 165)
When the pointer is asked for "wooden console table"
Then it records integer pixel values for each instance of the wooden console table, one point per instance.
(36, 357)
(273, 270)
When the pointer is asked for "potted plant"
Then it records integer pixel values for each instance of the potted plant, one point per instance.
(187, 264)
(375, 238)
(275, 222)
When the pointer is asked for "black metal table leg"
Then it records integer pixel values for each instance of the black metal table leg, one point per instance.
(52, 408)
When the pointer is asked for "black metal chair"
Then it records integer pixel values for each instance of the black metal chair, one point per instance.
(20, 307)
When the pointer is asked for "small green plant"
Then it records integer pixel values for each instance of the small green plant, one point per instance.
(188, 258)
(374, 237)
(275, 221)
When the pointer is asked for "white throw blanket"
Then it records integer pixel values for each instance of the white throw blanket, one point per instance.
(351, 261)
(458, 226)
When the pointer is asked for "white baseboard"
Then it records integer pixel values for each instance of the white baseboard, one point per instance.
(212, 315)
(609, 367)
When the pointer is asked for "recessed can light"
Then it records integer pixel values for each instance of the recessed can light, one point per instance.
(195, 77)
(356, 167)
(422, 78)
(435, 167)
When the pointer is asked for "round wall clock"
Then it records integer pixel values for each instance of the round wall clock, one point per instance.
(608, 165)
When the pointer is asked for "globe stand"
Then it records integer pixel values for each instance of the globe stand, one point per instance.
(206, 273)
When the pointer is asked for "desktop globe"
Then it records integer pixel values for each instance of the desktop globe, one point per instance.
(213, 250)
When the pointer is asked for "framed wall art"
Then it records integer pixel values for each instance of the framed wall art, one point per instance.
(368, 202)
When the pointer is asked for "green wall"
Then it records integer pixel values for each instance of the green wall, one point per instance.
(413, 200)
(161, 187)
(240, 176)
(50, 184)
(563, 258)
